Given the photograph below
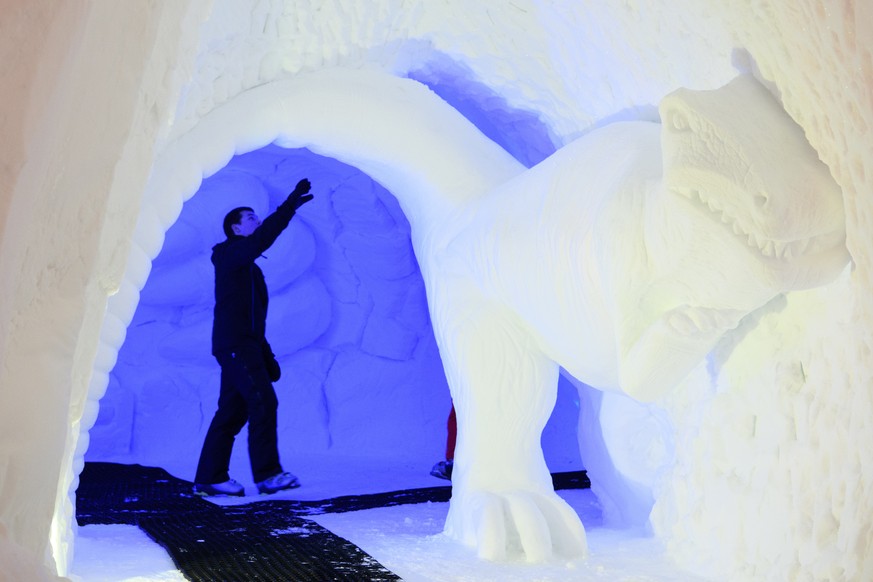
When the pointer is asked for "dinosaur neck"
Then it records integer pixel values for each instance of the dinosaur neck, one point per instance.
(396, 130)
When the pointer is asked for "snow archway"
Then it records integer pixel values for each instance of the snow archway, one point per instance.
(418, 158)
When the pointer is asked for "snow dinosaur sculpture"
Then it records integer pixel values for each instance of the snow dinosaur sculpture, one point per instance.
(621, 258)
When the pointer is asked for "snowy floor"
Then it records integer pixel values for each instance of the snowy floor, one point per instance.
(405, 539)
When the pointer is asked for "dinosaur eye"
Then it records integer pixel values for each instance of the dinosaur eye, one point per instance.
(679, 121)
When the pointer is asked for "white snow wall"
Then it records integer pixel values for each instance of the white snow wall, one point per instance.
(87, 89)
(82, 138)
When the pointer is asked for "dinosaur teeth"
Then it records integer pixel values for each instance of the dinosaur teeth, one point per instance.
(761, 244)
(780, 248)
(784, 251)
(793, 249)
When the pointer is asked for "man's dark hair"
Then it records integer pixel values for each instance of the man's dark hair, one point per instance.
(234, 217)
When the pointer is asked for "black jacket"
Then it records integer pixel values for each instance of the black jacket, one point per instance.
(240, 291)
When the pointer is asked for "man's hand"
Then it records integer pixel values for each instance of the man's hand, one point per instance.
(270, 363)
(273, 369)
(300, 195)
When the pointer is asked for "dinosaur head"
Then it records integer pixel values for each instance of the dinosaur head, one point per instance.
(751, 183)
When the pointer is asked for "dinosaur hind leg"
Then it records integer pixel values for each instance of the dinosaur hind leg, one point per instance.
(504, 390)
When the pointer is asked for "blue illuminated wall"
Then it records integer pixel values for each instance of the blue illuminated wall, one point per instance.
(348, 316)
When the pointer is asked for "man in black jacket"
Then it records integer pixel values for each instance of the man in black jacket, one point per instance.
(248, 366)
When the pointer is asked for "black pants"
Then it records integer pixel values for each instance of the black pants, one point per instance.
(247, 395)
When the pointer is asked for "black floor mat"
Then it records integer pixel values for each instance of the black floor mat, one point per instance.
(268, 540)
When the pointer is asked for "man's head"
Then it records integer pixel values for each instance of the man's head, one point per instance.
(241, 221)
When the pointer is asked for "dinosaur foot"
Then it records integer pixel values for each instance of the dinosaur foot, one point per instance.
(500, 525)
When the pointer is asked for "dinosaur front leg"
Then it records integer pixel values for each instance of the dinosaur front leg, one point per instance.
(504, 389)
(671, 347)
